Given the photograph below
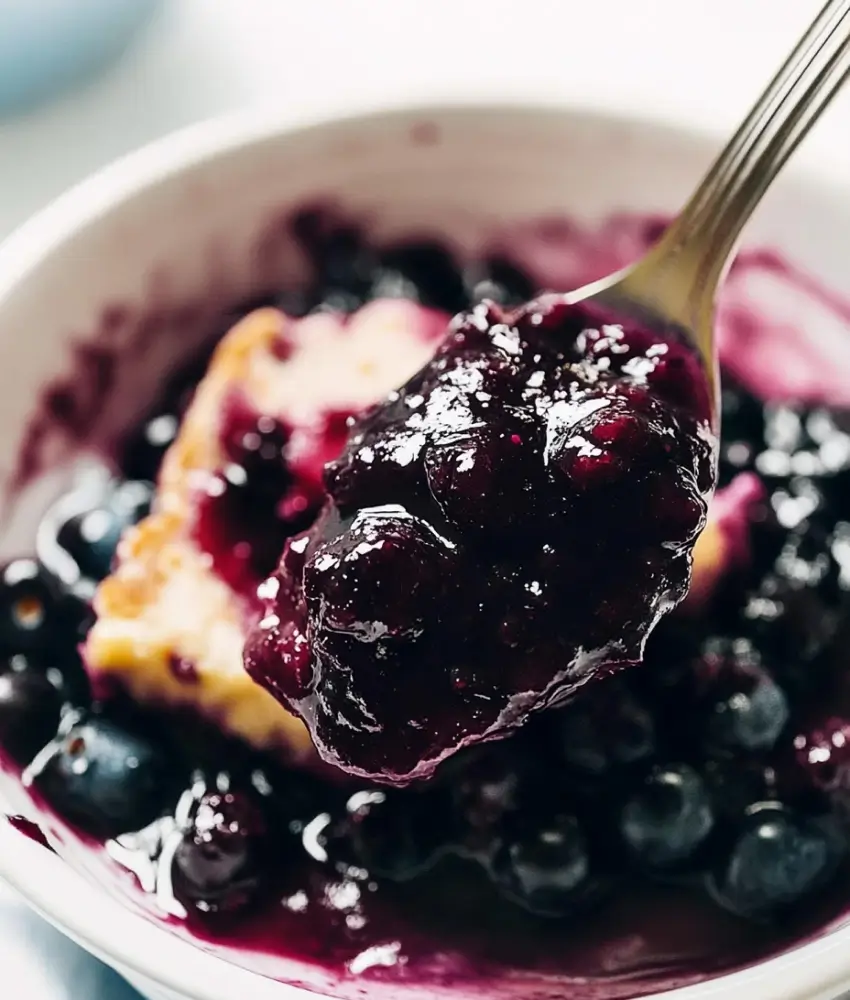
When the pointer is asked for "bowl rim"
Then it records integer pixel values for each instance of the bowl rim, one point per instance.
(88, 913)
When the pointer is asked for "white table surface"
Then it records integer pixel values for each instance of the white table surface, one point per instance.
(697, 61)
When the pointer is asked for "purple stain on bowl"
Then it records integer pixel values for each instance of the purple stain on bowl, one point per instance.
(29, 829)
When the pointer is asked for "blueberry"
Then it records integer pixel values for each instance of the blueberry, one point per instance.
(28, 607)
(222, 862)
(668, 818)
(343, 264)
(822, 754)
(352, 583)
(91, 535)
(485, 790)
(467, 471)
(429, 269)
(347, 267)
(146, 451)
(496, 278)
(397, 835)
(745, 709)
(547, 869)
(742, 430)
(778, 859)
(794, 612)
(751, 720)
(105, 778)
(735, 782)
(606, 729)
(30, 708)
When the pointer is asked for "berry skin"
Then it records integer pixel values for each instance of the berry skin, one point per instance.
(750, 720)
(102, 777)
(547, 869)
(498, 280)
(79, 535)
(792, 615)
(222, 862)
(464, 474)
(383, 578)
(92, 537)
(778, 859)
(488, 788)
(606, 730)
(29, 607)
(668, 818)
(145, 453)
(30, 708)
(743, 709)
(397, 835)
(429, 273)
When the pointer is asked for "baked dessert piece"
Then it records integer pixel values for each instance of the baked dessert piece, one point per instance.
(244, 472)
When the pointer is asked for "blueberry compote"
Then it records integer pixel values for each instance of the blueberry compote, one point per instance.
(538, 488)
(676, 819)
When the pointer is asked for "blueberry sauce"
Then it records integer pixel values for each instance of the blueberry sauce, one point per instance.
(535, 447)
(682, 818)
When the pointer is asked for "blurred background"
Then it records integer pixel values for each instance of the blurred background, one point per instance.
(84, 81)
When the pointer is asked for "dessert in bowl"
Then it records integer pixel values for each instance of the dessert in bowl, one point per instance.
(677, 821)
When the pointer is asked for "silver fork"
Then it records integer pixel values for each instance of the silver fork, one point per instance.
(675, 283)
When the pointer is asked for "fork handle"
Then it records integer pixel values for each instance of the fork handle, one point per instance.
(700, 242)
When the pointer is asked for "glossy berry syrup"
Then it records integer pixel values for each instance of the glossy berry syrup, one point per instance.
(679, 818)
(508, 525)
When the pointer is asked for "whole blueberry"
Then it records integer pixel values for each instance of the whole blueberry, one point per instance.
(397, 835)
(779, 858)
(430, 273)
(91, 536)
(223, 858)
(485, 790)
(607, 729)
(744, 708)
(668, 818)
(352, 583)
(751, 720)
(498, 279)
(794, 612)
(146, 451)
(742, 430)
(467, 470)
(547, 868)
(30, 708)
(103, 777)
(28, 607)
(822, 756)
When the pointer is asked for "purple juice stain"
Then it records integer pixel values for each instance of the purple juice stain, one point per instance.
(27, 828)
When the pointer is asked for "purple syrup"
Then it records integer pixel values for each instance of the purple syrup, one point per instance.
(456, 582)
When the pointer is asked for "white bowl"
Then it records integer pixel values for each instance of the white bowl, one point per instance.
(181, 220)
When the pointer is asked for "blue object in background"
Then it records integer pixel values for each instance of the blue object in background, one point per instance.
(48, 45)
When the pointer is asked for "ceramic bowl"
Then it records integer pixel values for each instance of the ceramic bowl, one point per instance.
(181, 221)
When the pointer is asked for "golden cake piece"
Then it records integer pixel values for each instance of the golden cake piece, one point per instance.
(170, 623)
